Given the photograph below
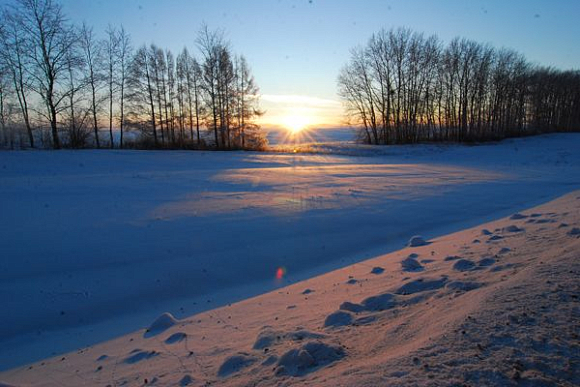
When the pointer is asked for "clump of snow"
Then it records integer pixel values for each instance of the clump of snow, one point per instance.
(464, 265)
(186, 380)
(377, 270)
(380, 302)
(417, 241)
(235, 363)
(140, 355)
(463, 286)
(161, 324)
(486, 262)
(411, 265)
(422, 285)
(310, 356)
(175, 338)
(351, 307)
(512, 228)
(338, 319)
(266, 338)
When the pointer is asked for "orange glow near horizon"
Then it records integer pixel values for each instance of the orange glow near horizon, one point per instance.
(295, 123)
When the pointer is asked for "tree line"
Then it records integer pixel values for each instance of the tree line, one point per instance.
(405, 87)
(60, 85)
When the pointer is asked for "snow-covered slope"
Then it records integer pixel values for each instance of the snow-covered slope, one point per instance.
(497, 304)
(96, 244)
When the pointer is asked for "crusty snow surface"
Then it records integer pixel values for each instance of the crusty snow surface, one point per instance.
(97, 244)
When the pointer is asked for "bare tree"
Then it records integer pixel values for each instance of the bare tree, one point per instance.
(48, 38)
(15, 61)
(93, 58)
(124, 50)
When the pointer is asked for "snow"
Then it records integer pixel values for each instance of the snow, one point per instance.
(508, 321)
(97, 244)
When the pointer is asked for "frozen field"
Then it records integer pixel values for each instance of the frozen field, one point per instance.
(96, 244)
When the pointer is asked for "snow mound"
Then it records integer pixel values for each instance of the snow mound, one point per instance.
(417, 241)
(464, 265)
(163, 322)
(377, 270)
(462, 286)
(266, 339)
(186, 381)
(512, 228)
(175, 338)
(410, 264)
(380, 302)
(309, 357)
(338, 319)
(139, 356)
(235, 363)
(422, 285)
(485, 262)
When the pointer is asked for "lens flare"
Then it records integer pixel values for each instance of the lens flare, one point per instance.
(280, 272)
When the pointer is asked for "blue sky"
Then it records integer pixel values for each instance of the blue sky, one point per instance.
(297, 47)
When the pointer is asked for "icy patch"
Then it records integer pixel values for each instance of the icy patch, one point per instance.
(235, 364)
(417, 241)
(163, 322)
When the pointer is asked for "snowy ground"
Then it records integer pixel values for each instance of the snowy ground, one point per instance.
(498, 304)
(96, 244)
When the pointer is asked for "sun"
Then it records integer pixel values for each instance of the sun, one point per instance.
(295, 123)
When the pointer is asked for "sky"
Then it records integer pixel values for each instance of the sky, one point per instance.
(296, 48)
